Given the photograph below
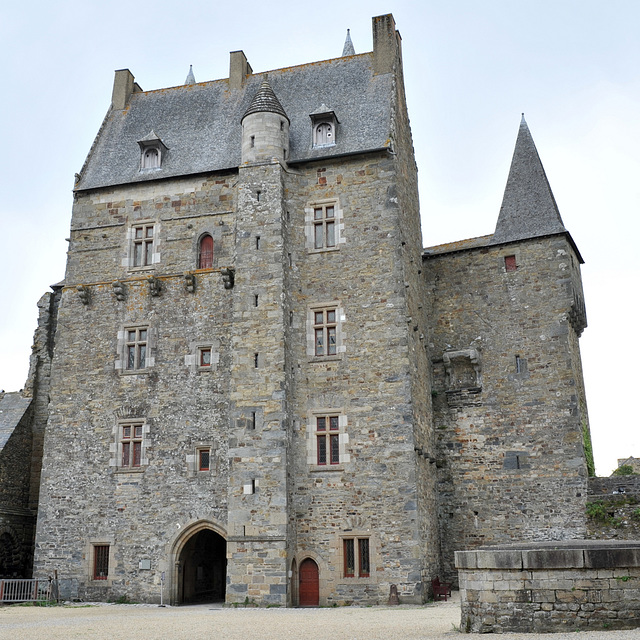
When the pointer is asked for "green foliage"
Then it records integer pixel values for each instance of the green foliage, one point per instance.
(597, 511)
(635, 514)
(624, 470)
(588, 450)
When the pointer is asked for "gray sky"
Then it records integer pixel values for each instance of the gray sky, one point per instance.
(471, 68)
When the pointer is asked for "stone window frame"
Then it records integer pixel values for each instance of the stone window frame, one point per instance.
(193, 460)
(118, 446)
(202, 255)
(311, 222)
(510, 260)
(91, 564)
(193, 358)
(340, 337)
(151, 257)
(123, 352)
(313, 434)
(356, 535)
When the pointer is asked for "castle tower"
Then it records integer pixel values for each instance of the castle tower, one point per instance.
(265, 128)
(509, 401)
(258, 501)
(238, 385)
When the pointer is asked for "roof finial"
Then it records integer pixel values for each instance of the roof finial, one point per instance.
(348, 49)
(191, 79)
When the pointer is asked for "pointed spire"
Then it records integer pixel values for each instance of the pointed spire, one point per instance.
(529, 209)
(265, 100)
(348, 49)
(191, 79)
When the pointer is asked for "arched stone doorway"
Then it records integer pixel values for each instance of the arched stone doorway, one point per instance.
(202, 568)
(309, 592)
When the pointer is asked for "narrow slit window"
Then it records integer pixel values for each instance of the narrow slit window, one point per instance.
(100, 562)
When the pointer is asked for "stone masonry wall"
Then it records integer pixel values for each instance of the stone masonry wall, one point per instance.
(507, 401)
(547, 588)
(373, 492)
(140, 512)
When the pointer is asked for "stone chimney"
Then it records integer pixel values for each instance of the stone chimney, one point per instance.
(124, 85)
(239, 69)
(386, 44)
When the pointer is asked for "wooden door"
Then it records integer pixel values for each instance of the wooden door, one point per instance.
(309, 584)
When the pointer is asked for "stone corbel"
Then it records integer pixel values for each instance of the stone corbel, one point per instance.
(118, 290)
(84, 294)
(457, 361)
(155, 286)
(189, 282)
(228, 277)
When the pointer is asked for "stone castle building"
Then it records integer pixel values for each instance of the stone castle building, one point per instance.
(255, 384)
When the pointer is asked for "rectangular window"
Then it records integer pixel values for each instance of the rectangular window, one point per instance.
(324, 227)
(204, 459)
(143, 245)
(100, 562)
(136, 348)
(510, 263)
(356, 557)
(205, 357)
(327, 440)
(325, 327)
(131, 436)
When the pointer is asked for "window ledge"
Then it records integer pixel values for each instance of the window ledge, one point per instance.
(330, 467)
(320, 359)
(324, 249)
(120, 470)
(134, 372)
(146, 267)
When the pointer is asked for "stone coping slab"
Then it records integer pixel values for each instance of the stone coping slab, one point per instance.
(566, 554)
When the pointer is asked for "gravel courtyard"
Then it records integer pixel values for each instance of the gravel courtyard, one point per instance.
(116, 622)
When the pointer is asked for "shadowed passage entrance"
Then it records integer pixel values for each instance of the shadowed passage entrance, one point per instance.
(203, 564)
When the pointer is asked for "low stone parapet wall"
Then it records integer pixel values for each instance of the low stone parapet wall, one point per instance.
(550, 587)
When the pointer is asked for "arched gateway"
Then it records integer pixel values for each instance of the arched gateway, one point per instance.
(200, 565)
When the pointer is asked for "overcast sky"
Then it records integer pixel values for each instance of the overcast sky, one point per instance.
(471, 68)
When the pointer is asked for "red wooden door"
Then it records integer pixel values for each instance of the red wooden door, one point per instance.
(309, 584)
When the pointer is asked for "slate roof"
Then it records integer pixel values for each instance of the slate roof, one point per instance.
(12, 408)
(529, 209)
(458, 245)
(265, 100)
(201, 123)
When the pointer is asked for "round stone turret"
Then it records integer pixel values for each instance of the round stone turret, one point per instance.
(265, 128)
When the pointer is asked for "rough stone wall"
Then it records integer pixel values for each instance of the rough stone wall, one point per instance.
(258, 456)
(510, 445)
(579, 587)
(141, 512)
(374, 492)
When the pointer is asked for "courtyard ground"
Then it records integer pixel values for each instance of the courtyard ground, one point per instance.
(435, 621)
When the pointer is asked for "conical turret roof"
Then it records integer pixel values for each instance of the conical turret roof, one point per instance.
(191, 79)
(528, 209)
(265, 100)
(348, 49)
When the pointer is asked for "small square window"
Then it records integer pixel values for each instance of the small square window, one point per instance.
(205, 357)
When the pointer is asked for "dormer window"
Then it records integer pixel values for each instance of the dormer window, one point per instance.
(152, 150)
(324, 123)
(323, 134)
(150, 158)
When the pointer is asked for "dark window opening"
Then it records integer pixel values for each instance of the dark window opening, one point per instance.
(100, 562)
(204, 459)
